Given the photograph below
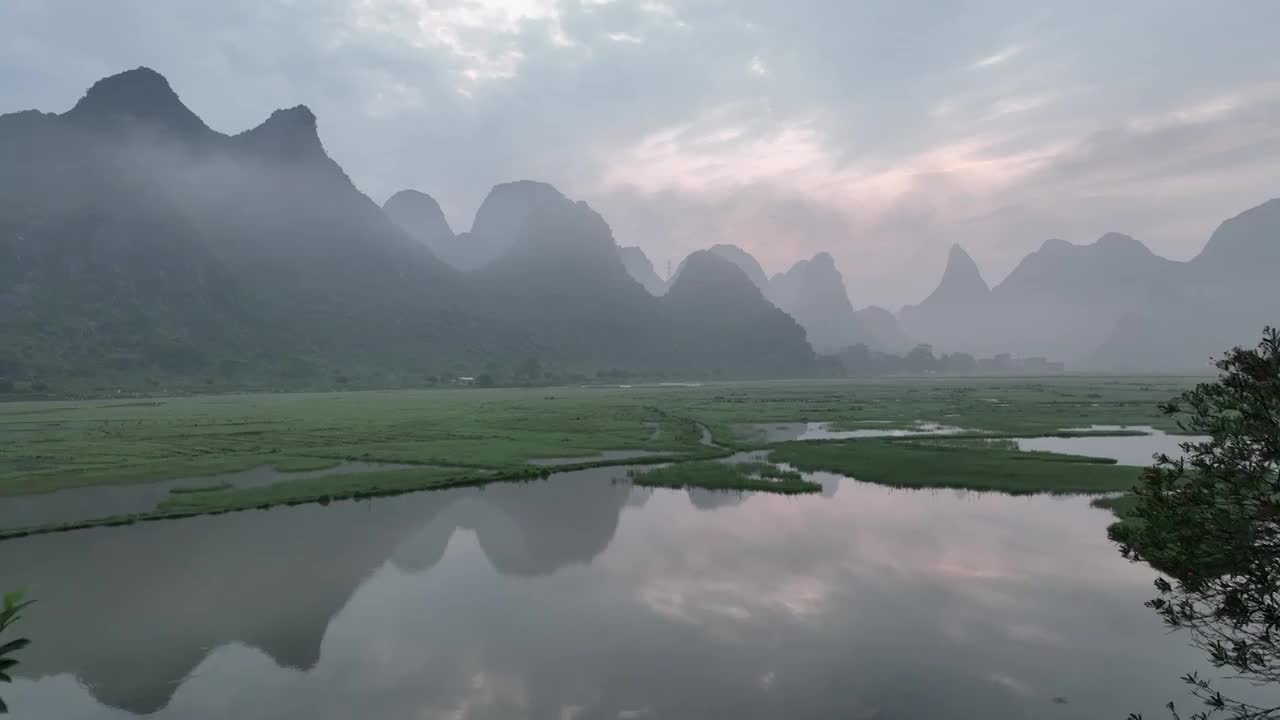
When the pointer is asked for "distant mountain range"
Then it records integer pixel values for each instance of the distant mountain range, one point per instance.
(812, 291)
(1113, 304)
(137, 244)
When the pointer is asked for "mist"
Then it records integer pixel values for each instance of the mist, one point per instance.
(636, 359)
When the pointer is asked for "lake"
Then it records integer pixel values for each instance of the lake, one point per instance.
(1124, 449)
(582, 597)
(783, 432)
(89, 503)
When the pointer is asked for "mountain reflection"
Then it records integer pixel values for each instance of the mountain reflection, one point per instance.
(163, 595)
(545, 600)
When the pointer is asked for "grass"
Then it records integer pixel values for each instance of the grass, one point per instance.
(47, 446)
(327, 488)
(755, 476)
(211, 487)
(957, 464)
(1122, 507)
(304, 464)
(468, 435)
(224, 498)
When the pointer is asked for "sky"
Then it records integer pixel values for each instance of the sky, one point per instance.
(881, 132)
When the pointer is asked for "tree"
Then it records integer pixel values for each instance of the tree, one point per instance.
(10, 613)
(1211, 522)
(920, 359)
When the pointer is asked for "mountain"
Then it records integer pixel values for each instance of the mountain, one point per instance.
(641, 269)
(813, 292)
(723, 318)
(1063, 300)
(509, 212)
(138, 242)
(1113, 304)
(745, 261)
(1060, 301)
(420, 215)
(961, 282)
(959, 302)
(1197, 310)
(560, 272)
(879, 329)
(1248, 243)
(140, 247)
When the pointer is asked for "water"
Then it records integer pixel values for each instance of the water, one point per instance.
(781, 432)
(1124, 449)
(89, 503)
(581, 597)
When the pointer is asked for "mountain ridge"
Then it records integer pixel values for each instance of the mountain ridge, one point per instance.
(140, 246)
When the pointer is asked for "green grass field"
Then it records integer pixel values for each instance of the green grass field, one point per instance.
(711, 475)
(975, 465)
(468, 435)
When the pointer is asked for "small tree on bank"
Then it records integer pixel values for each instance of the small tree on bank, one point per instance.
(1211, 523)
(10, 613)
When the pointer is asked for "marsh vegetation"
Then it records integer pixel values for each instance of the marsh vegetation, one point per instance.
(403, 441)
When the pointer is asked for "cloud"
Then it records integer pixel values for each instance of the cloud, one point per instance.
(1000, 57)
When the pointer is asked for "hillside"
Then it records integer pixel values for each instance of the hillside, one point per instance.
(139, 247)
(723, 318)
(420, 215)
(1221, 298)
(1113, 304)
(641, 269)
(950, 314)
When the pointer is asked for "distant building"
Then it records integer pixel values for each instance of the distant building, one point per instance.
(464, 381)
(1006, 363)
(1035, 364)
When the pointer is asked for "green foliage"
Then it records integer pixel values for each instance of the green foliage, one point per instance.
(712, 475)
(10, 613)
(1211, 523)
(955, 463)
(1121, 505)
(47, 446)
(325, 488)
(211, 487)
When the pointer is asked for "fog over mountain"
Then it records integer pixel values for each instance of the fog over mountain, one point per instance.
(1113, 304)
(137, 242)
(1220, 298)
(785, 130)
(812, 291)
(639, 267)
(420, 216)
(140, 243)
(712, 292)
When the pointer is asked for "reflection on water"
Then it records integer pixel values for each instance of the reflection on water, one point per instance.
(781, 432)
(90, 503)
(582, 597)
(1124, 449)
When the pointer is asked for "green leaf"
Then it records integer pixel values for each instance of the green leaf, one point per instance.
(13, 646)
(11, 599)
